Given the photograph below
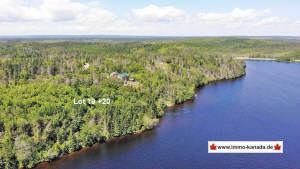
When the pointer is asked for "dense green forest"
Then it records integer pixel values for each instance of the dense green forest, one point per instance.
(280, 50)
(40, 79)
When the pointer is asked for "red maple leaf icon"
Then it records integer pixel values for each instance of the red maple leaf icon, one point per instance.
(277, 147)
(213, 147)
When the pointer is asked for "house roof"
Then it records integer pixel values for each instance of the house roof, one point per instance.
(124, 74)
(114, 73)
(86, 66)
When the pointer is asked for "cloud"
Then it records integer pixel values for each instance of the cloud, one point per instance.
(15, 10)
(61, 10)
(19, 17)
(237, 15)
(238, 21)
(154, 13)
(271, 21)
(53, 11)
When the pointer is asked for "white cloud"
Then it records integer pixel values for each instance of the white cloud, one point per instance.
(237, 15)
(18, 17)
(154, 13)
(52, 11)
(271, 21)
(61, 10)
(238, 21)
(15, 10)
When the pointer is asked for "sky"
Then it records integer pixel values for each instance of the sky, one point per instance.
(150, 17)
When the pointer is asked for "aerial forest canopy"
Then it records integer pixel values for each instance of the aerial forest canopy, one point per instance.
(39, 81)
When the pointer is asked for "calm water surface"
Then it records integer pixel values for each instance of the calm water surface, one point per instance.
(264, 105)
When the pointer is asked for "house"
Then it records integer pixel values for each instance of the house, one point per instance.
(114, 74)
(124, 76)
(73, 63)
(86, 66)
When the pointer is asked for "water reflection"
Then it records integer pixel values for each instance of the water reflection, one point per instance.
(89, 155)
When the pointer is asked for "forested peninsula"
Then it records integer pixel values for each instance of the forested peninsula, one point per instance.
(40, 80)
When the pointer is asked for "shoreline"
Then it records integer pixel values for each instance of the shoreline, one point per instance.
(77, 152)
(48, 165)
(265, 59)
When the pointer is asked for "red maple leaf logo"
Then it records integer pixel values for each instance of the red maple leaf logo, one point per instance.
(277, 147)
(213, 147)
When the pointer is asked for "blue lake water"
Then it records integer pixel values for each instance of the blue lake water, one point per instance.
(264, 105)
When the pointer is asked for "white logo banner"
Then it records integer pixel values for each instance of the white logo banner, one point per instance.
(245, 147)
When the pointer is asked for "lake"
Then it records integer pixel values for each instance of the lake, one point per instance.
(264, 105)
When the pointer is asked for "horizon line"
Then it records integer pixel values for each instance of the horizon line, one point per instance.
(58, 36)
